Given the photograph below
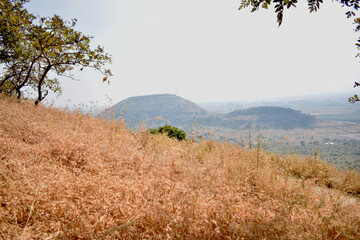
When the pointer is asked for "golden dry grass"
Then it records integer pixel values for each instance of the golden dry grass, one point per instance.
(68, 176)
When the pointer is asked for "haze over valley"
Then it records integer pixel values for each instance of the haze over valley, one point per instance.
(328, 127)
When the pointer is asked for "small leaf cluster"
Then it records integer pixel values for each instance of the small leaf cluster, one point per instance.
(279, 6)
(313, 6)
(355, 98)
(170, 131)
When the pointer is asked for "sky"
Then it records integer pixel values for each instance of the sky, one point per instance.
(208, 51)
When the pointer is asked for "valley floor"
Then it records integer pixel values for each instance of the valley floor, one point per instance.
(334, 141)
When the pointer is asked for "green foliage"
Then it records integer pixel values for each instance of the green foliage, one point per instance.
(355, 98)
(170, 131)
(32, 47)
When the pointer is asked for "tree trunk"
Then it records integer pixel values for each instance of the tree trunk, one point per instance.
(18, 92)
(18, 88)
(40, 97)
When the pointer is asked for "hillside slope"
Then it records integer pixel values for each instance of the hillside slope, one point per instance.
(68, 176)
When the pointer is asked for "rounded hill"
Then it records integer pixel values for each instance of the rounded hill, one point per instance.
(156, 110)
(273, 117)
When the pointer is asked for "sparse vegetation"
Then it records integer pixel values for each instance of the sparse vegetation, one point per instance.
(170, 131)
(69, 176)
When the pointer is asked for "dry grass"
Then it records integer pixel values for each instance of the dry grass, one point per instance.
(69, 176)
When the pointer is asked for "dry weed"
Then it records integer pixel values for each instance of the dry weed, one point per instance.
(68, 176)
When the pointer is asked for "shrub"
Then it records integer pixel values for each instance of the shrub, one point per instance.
(170, 131)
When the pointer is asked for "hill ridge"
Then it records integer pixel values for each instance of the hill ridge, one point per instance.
(167, 108)
(184, 113)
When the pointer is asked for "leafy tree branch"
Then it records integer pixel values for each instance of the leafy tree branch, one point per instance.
(32, 46)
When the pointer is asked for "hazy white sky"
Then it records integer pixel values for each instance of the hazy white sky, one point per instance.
(207, 50)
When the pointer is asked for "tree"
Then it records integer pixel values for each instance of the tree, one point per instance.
(13, 20)
(170, 131)
(313, 5)
(32, 47)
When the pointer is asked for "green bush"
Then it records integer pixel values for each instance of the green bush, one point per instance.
(171, 132)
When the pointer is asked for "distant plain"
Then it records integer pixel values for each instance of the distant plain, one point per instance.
(334, 135)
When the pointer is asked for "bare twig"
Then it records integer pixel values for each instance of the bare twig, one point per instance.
(2, 235)
(27, 221)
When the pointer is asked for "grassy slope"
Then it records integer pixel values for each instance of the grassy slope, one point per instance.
(69, 176)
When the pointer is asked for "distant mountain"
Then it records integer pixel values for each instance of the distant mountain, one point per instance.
(158, 110)
(335, 103)
(271, 117)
